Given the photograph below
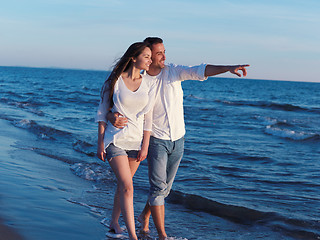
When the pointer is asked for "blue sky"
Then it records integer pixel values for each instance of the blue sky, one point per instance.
(279, 39)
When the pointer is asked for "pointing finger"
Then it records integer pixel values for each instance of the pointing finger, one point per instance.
(244, 72)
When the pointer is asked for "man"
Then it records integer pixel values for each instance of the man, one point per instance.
(167, 139)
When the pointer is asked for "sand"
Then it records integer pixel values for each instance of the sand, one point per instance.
(8, 233)
(35, 193)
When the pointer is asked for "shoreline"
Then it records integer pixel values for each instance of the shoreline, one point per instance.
(8, 233)
(36, 192)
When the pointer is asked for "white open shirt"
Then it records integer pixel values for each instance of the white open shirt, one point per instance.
(168, 117)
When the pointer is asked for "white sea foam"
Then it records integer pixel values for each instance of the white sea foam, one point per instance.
(117, 235)
(268, 120)
(287, 133)
(91, 208)
(92, 171)
(105, 222)
(174, 238)
(24, 123)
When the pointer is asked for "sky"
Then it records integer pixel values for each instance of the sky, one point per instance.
(280, 39)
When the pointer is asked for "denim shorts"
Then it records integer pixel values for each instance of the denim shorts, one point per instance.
(113, 151)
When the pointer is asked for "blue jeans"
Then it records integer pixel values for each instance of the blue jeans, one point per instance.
(164, 157)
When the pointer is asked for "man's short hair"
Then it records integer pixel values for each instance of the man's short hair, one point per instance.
(152, 40)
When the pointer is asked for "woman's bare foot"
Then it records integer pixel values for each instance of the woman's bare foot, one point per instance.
(144, 224)
(116, 227)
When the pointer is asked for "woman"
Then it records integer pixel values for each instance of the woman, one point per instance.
(132, 96)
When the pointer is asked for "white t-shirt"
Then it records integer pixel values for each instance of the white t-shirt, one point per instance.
(132, 105)
(168, 116)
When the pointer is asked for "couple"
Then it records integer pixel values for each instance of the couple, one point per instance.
(141, 115)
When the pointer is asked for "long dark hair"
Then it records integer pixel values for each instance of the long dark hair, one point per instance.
(122, 65)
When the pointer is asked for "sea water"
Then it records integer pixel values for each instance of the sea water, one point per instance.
(251, 167)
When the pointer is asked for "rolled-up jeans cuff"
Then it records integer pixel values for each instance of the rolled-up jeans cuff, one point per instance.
(156, 201)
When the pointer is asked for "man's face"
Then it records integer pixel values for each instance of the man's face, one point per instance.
(158, 55)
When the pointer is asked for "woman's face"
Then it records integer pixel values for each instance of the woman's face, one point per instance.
(143, 61)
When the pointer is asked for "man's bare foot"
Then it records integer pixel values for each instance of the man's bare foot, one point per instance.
(144, 224)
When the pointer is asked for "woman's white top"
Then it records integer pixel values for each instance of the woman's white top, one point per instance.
(135, 106)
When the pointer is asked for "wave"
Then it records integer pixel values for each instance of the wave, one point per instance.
(25, 105)
(285, 129)
(45, 132)
(270, 105)
(298, 228)
(234, 213)
(291, 134)
(84, 92)
(54, 155)
(191, 96)
(84, 147)
(92, 172)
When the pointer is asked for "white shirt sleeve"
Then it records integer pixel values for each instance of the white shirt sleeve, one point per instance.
(147, 125)
(154, 87)
(104, 106)
(188, 73)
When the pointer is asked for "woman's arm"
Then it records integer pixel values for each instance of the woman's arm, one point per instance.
(100, 149)
(147, 128)
(145, 145)
(104, 105)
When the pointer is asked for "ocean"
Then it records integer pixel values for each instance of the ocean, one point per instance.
(251, 167)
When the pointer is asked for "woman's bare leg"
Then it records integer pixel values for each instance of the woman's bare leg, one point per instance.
(121, 167)
(116, 211)
(114, 224)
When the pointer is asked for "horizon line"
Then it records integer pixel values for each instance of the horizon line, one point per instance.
(101, 70)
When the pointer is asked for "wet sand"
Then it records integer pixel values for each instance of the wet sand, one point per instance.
(8, 233)
(35, 193)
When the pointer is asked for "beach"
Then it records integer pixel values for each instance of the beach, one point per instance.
(8, 233)
(35, 191)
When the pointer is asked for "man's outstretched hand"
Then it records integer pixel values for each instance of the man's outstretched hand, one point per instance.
(117, 120)
(235, 70)
(212, 70)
